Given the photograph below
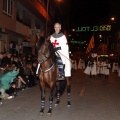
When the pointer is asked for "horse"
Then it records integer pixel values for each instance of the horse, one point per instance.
(48, 73)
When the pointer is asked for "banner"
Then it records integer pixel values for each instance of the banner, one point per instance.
(91, 44)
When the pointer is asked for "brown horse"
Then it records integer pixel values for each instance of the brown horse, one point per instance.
(48, 73)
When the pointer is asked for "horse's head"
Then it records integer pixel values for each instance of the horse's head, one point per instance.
(46, 51)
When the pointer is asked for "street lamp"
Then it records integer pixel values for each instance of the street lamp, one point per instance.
(112, 19)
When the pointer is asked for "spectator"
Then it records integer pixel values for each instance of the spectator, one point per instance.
(6, 79)
(17, 49)
(34, 69)
(1, 57)
(21, 49)
(7, 59)
(29, 74)
(20, 75)
(16, 62)
(12, 91)
(11, 47)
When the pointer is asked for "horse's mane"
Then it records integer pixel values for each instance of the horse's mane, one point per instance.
(52, 51)
(40, 42)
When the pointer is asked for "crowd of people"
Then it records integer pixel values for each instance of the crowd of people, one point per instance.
(95, 66)
(16, 74)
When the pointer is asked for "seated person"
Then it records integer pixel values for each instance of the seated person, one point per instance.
(29, 74)
(20, 75)
(6, 79)
(12, 91)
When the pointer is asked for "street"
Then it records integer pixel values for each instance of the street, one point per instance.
(91, 99)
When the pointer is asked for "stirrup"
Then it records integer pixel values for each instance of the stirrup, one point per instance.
(61, 77)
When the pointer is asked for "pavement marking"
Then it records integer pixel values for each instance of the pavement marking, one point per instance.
(82, 91)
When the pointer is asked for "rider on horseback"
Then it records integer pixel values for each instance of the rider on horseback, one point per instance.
(59, 41)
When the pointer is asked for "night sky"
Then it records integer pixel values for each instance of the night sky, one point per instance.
(92, 12)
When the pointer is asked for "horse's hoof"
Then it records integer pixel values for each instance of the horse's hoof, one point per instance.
(68, 106)
(57, 103)
(49, 113)
(41, 113)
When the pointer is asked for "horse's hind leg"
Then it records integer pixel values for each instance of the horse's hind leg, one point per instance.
(68, 92)
(50, 102)
(58, 96)
(68, 95)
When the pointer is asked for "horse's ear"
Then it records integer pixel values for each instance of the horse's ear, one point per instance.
(48, 38)
(40, 42)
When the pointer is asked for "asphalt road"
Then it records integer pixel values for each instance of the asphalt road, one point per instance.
(91, 99)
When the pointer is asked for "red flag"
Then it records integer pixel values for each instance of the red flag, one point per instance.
(91, 44)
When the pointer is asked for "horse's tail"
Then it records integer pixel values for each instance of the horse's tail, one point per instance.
(61, 87)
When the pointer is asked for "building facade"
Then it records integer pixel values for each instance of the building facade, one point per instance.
(21, 20)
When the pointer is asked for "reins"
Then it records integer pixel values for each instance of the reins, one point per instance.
(64, 56)
(44, 59)
(44, 71)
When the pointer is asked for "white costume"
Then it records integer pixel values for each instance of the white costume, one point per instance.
(115, 67)
(94, 68)
(81, 64)
(99, 67)
(73, 64)
(88, 69)
(59, 40)
(106, 66)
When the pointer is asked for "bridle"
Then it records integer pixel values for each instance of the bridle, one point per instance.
(42, 60)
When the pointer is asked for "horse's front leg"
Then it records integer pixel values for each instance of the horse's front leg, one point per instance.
(50, 101)
(42, 100)
(68, 92)
(58, 96)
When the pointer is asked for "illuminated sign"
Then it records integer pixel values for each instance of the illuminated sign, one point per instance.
(77, 42)
(94, 28)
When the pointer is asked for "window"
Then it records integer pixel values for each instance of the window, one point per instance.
(8, 7)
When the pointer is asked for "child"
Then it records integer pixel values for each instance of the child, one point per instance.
(11, 92)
